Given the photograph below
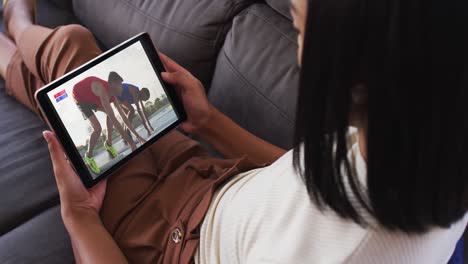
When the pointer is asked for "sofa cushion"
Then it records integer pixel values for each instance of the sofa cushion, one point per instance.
(63, 5)
(31, 230)
(255, 82)
(42, 239)
(189, 31)
(27, 185)
(281, 6)
(52, 13)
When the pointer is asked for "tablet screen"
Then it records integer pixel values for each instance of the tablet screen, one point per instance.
(113, 108)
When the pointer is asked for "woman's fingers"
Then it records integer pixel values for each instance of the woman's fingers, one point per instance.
(59, 162)
(56, 153)
(178, 79)
(170, 64)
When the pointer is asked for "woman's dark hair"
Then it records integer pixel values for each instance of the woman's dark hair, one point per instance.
(412, 57)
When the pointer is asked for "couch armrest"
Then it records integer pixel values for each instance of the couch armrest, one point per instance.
(63, 4)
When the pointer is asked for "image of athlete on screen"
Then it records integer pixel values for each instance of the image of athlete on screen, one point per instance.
(93, 94)
(133, 95)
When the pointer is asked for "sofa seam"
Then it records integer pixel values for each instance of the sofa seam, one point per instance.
(167, 26)
(226, 26)
(231, 15)
(223, 27)
(252, 12)
(219, 41)
(239, 75)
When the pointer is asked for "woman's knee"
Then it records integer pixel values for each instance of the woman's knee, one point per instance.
(76, 34)
(79, 42)
(73, 46)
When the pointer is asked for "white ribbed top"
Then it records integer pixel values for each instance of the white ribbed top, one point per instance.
(266, 216)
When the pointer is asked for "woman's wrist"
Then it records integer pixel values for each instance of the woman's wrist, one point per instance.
(74, 217)
(208, 123)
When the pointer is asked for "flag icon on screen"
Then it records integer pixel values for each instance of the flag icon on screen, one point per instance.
(60, 96)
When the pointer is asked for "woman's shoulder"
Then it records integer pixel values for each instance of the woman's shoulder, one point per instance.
(272, 208)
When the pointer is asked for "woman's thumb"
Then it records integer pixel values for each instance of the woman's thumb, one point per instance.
(168, 77)
(50, 138)
(56, 154)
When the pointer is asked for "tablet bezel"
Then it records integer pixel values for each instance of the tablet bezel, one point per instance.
(58, 127)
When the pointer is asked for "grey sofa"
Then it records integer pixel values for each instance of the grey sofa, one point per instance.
(243, 51)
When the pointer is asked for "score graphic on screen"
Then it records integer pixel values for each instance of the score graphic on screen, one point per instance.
(60, 96)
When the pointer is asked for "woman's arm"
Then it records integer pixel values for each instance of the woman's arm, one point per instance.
(204, 121)
(76, 253)
(80, 211)
(91, 241)
(233, 141)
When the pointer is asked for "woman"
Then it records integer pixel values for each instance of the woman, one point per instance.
(398, 195)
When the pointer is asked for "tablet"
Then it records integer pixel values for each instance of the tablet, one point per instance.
(112, 108)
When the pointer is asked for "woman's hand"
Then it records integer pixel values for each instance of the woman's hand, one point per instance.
(210, 125)
(75, 199)
(192, 93)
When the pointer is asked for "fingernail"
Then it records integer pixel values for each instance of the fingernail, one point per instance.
(46, 135)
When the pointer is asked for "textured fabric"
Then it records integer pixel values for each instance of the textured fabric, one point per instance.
(66, 5)
(31, 230)
(27, 185)
(281, 6)
(164, 191)
(54, 13)
(256, 76)
(44, 55)
(42, 239)
(24, 198)
(189, 31)
(26, 177)
(266, 216)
